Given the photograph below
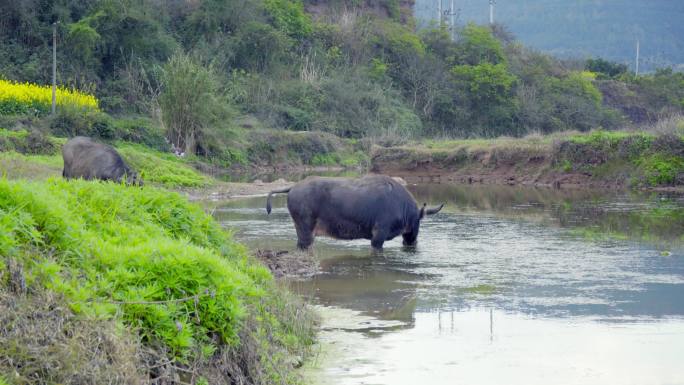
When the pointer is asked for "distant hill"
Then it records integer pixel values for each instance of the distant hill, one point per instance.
(582, 28)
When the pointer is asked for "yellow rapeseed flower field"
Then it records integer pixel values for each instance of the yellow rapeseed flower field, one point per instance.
(17, 98)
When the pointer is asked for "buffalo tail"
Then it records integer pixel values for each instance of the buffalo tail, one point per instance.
(268, 200)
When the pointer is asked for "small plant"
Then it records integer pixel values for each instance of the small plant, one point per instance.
(566, 166)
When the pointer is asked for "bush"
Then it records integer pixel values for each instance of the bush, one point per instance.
(72, 122)
(662, 169)
(606, 69)
(258, 46)
(27, 142)
(142, 131)
(477, 45)
(289, 17)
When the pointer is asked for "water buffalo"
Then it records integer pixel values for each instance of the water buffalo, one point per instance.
(374, 207)
(87, 159)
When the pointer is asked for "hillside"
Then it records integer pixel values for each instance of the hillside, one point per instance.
(581, 29)
(209, 74)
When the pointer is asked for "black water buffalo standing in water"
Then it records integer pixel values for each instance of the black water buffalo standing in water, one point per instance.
(87, 159)
(374, 207)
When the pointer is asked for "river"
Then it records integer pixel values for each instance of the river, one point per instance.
(507, 285)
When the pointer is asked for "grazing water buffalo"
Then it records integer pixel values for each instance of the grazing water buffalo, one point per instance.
(374, 207)
(87, 159)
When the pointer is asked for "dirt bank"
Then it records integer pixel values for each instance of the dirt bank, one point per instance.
(600, 159)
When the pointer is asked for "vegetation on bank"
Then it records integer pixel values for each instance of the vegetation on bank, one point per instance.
(152, 263)
(352, 69)
(32, 155)
(652, 158)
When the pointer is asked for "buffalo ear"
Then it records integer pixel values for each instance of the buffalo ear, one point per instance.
(433, 210)
(422, 211)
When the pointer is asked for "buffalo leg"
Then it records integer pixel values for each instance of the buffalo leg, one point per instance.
(305, 233)
(379, 237)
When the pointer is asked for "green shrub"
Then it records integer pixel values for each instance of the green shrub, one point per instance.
(662, 169)
(142, 131)
(477, 45)
(258, 47)
(605, 68)
(289, 16)
(72, 122)
(27, 142)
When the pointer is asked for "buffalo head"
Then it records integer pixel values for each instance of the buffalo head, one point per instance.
(411, 235)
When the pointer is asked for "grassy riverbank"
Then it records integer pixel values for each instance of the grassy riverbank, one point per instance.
(171, 295)
(595, 159)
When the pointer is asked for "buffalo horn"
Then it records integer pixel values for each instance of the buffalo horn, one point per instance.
(433, 210)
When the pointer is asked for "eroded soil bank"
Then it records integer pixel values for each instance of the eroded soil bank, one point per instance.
(600, 159)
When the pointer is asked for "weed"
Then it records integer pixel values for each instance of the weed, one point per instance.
(566, 166)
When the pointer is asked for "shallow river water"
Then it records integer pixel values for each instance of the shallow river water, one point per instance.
(507, 285)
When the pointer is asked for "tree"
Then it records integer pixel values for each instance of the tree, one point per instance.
(477, 45)
(605, 68)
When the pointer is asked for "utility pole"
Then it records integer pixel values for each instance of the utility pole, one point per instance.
(491, 11)
(636, 70)
(54, 67)
(439, 13)
(451, 16)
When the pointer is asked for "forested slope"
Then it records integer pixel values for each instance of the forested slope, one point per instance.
(211, 71)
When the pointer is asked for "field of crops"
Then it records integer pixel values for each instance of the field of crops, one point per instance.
(27, 98)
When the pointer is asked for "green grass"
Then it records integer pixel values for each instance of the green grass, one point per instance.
(160, 168)
(148, 259)
(156, 167)
(531, 141)
(14, 165)
(601, 137)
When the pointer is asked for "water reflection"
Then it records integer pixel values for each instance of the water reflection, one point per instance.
(483, 347)
(626, 215)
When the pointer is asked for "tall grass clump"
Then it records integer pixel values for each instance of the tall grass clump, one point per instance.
(190, 104)
(28, 98)
(157, 265)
